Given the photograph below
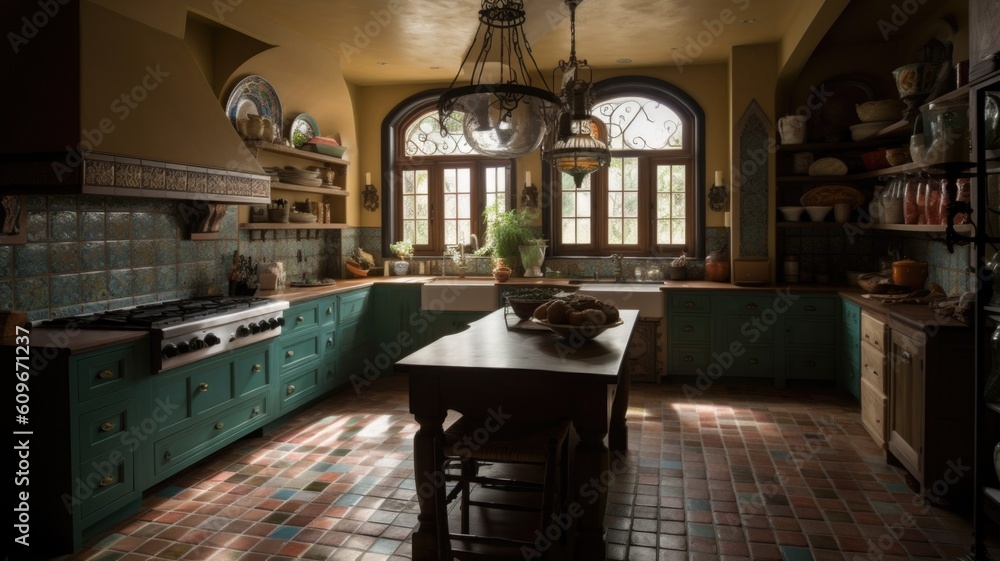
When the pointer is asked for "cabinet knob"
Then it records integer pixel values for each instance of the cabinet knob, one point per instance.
(329, 311)
(300, 319)
(289, 354)
(687, 328)
(329, 341)
(751, 306)
(753, 361)
(810, 308)
(167, 455)
(810, 363)
(689, 304)
(107, 480)
(219, 425)
(255, 411)
(203, 387)
(329, 373)
(256, 368)
(106, 374)
(905, 357)
(688, 358)
(290, 389)
(108, 426)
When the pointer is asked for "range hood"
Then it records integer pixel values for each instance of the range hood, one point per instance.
(103, 104)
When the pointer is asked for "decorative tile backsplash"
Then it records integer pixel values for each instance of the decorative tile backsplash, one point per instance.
(89, 253)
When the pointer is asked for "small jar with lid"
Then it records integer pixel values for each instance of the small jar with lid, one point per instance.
(790, 268)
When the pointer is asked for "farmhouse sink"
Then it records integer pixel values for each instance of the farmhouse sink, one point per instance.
(643, 296)
(474, 294)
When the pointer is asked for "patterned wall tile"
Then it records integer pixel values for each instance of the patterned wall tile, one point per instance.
(6, 296)
(63, 225)
(93, 256)
(166, 278)
(144, 281)
(65, 290)
(92, 226)
(120, 283)
(31, 259)
(37, 202)
(143, 253)
(64, 257)
(119, 254)
(63, 202)
(93, 202)
(165, 225)
(6, 261)
(119, 225)
(142, 225)
(166, 252)
(38, 226)
(32, 294)
(94, 287)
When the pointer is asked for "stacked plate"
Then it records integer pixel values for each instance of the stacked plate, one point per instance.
(297, 176)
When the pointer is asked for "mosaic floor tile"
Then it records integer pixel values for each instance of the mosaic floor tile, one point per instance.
(707, 478)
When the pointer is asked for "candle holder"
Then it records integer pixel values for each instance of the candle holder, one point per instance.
(718, 197)
(369, 198)
(529, 196)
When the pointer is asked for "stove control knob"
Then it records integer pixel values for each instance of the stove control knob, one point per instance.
(183, 347)
(241, 331)
(196, 344)
(281, 320)
(273, 323)
(212, 339)
(256, 328)
(170, 350)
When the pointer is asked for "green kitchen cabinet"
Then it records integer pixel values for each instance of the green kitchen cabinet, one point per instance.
(849, 348)
(354, 337)
(400, 326)
(761, 334)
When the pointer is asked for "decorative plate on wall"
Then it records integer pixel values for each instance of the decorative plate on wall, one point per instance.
(303, 129)
(253, 95)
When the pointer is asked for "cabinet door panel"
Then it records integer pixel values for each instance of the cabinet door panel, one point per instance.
(906, 402)
(809, 332)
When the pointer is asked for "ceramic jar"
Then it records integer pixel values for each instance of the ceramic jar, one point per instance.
(908, 272)
(792, 129)
(501, 272)
(717, 267)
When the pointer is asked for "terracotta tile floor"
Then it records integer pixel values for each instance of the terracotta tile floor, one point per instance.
(738, 473)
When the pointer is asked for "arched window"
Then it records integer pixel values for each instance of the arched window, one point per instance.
(436, 191)
(649, 199)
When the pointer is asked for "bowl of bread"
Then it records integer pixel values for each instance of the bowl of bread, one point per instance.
(577, 317)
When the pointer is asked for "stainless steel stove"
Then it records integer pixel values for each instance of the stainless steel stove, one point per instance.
(185, 331)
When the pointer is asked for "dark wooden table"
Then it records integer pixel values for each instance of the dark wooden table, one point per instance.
(519, 376)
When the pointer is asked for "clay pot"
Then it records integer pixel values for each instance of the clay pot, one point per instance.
(910, 273)
(501, 274)
(717, 267)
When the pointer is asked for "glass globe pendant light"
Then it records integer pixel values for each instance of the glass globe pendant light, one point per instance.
(581, 142)
(505, 115)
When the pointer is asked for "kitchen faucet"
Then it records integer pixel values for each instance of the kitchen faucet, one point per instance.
(458, 256)
(474, 242)
(619, 276)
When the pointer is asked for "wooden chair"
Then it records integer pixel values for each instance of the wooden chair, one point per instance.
(464, 452)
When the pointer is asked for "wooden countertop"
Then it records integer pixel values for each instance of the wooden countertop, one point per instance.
(916, 316)
(76, 341)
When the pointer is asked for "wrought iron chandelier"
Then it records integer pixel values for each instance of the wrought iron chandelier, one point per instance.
(505, 115)
(580, 143)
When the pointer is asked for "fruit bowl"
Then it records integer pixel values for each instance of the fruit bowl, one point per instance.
(791, 213)
(584, 332)
(524, 307)
(818, 213)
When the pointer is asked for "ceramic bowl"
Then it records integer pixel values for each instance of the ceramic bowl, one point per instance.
(898, 156)
(868, 130)
(818, 213)
(791, 213)
(881, 110)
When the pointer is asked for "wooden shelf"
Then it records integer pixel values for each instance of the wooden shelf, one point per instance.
(290, 226)
(305, 189)
(930, 229)
(257, 145)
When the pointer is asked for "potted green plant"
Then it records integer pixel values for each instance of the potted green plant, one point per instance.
(506, 232)
(404, 250)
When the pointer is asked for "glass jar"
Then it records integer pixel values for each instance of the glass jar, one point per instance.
(910, 211)
(932, 208)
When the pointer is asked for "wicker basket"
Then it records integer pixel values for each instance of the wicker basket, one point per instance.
(869, 282)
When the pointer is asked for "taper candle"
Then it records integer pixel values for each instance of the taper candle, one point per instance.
(718, 178)
(527, 178)
(368, 178)
(728, 219)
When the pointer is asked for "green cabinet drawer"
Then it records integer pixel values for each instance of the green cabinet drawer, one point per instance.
(252, 372)
(107, 428)
(354, 334)
(300, 386)
(850, 316)
(104, 373)
(755, 304)
(751, 330)
(689, 328)
(327, 309)
(353, 305)
(689, 303)
(801, 331)
(104, 479)
(328, 338)
(685, 360)
(754, 362)
(298, 351)
(825, 306)
(175, 449)
(810, 365)
(209, 388)
(300, 318)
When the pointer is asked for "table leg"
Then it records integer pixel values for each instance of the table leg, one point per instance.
(592, 476)
(430, 490)
(618, 430)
